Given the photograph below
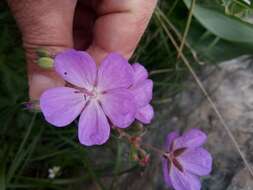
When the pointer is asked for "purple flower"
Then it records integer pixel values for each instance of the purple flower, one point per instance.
(185, 160)
(98, 95)
(142, 90)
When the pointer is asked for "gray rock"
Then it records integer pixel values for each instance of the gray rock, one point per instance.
(242, 181)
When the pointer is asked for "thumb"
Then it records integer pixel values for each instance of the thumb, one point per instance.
(44, 24)
(119, 26)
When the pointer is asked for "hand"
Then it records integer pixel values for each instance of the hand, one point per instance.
(97, 26)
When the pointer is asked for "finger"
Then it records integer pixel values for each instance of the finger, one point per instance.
(43, 24)
(119, 26)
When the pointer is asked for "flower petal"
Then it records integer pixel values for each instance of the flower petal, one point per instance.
(183, 180)
(191, 139)
(170, 139)
(197, 161)
(166, 176)
(119, 106)
(114, 72)
(61, 105)
(77, 68)
(142, 92)
(145, 114)
(140, 73)
(93, 127)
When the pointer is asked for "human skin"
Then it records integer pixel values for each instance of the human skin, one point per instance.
(97, 26)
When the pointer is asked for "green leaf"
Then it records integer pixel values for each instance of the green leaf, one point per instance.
(22, 152)
(2, 175)
(213, 52)
(224, 26)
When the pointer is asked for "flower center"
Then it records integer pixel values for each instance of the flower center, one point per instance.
(95, 93)
(172, 158)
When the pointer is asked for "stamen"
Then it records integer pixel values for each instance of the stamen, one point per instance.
(166, 155)
(78, 92)
(178, 165)
(178, 152)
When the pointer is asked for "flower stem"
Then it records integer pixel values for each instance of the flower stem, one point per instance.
(137, 144)
(155, 149)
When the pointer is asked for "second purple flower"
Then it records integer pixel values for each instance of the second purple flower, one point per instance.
(186, 160)
(115, 91)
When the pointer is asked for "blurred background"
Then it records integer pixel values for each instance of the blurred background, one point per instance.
(35, 155)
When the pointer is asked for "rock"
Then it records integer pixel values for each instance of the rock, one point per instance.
(242, 181)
